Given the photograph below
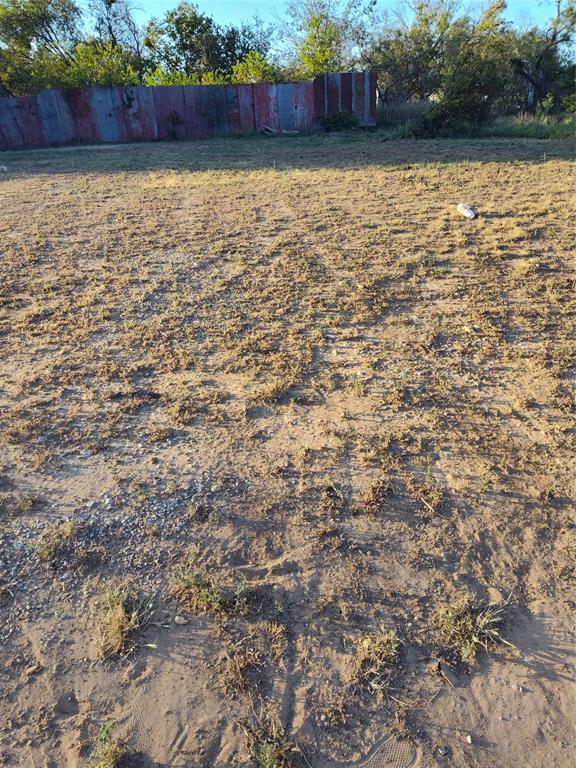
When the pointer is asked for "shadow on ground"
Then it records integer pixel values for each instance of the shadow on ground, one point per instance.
(257, 153)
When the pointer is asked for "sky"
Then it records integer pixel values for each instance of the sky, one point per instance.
(521, 12)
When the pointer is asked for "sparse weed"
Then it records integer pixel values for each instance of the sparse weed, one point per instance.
(54, 539)
(195, 592)
(197, 511)
(271, 393)
(10, 503)
(123, 614)
(240, 594)
(470, 626)
(241, 667)
(23, 504)
(276, 633)
(329, 706)
(6, 593)
(357, 384)
(108, 752)
(429, 494)
(377, 495)
(333, 500)
(268, 744)
(87, 557)
(376, 658)
(369, 301)
(159, 433)
(344, 609)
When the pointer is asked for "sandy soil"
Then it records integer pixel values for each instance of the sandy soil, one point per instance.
(284, 442)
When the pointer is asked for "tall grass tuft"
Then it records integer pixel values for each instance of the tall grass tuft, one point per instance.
(405, 120)
(527, 126)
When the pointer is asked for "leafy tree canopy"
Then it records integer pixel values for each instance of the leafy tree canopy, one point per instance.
(466, 67)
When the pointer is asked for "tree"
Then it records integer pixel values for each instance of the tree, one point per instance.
(51, 24)
(184, 41)
(536, 68)
(409, 58)
(322, 48)
(114, 24)
(325, 35)
(41, 46)
(96, 64)
(160, 76)
(237, 42)
(474, 72)
(35, 28)
(101, 64)
(254, 68)
(190, 42)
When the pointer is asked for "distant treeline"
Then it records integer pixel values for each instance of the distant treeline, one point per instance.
(466, 68)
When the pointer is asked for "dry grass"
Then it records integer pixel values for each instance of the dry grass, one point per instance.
(376, 659)
(123, 614)
(108, 752)
(471, 626)
(295, 354)
(55, 539)
(241, 667)
(195, 592)
(268, 744)
(198, 592)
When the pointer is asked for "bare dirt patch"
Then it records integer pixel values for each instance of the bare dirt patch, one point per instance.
(279, 398)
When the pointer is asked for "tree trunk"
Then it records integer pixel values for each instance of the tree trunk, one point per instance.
(531, 97)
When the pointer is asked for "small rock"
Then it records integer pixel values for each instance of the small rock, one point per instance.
(180, 620)
(3, 169)
(469, 739)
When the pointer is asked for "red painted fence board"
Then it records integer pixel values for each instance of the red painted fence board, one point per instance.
(346, 91)
(138, 113)
(333, 93)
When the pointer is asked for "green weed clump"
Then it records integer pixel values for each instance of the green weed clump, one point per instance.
(268, 744)
(195, 592)
(108, 752)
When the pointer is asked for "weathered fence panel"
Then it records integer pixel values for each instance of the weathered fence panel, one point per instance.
(138, 113)
(347, 92)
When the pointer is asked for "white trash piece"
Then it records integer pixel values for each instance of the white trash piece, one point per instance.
(465, 210)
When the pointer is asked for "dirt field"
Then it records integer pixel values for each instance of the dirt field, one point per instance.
(287, 454)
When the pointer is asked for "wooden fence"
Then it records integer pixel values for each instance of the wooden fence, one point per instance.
(91, 115)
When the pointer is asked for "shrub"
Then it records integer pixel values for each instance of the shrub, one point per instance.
(528, 126)
(569, 103)
(338, 121)
(401, 113)
(254, 68)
